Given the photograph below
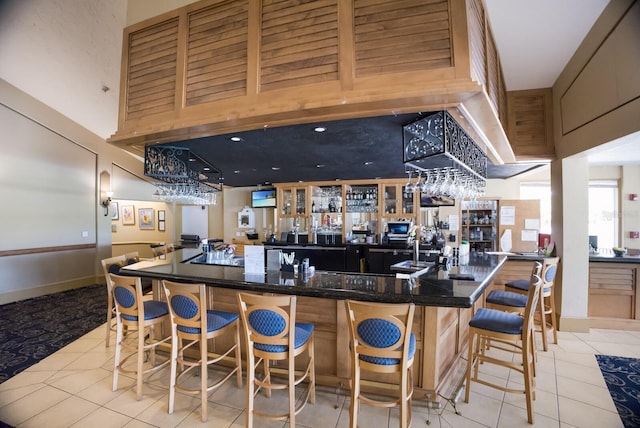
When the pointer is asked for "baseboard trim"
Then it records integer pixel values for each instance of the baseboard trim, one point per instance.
(575, 325)
(615, 324)
(29, 293)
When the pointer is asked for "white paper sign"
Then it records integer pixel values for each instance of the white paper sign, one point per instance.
(454, 222)
(508, 215)
(505, 241)
(532, 223)
(529, 235)
(253, 259)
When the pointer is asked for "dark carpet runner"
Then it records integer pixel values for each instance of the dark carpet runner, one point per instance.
(622, 376)
(33, 329)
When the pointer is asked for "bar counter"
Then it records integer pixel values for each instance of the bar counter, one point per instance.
(441, 321)
(430, 287)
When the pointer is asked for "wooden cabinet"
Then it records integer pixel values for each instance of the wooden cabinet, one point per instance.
(479, 224)
(396, 202)
(293, 201)
(330, 213)
(613, 294)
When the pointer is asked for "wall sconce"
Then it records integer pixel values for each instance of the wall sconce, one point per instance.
(105, 191)
(106, 202)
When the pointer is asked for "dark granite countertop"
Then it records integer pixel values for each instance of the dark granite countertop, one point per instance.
(431, 288)
(612, 258)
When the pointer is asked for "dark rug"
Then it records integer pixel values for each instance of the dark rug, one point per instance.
(622, 376)
(33, 329)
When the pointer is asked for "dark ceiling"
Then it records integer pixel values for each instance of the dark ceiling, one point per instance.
(353, 149)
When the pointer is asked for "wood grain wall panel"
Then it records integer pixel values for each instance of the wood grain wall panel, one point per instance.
(394, 36)
(530, 124)
(217, 53)
(502, 99)
(151, 72)
(493, 74)
(299, 43)
(477, 30)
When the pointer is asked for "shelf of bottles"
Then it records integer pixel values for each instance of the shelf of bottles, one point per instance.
(326, 214)
(326, 199)
(479, 224)
(362, 199)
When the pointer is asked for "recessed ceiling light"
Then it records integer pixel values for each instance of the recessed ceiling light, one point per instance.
(275, 168)
(206, 168)
(367, 163)
(319, 129)
(192, 160)
(236, 139)
(237, 171)
(319, 165)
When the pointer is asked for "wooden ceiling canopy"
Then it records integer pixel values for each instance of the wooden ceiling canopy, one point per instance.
(215, 67)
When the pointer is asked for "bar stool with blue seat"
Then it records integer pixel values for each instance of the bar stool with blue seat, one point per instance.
(193, 323)
(547, 304)
(141, 316)
(111, 265)
(381, 342)
(509, 332)
(272, 334)
(510, 301)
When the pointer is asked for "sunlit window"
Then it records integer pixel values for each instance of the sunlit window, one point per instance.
(603, 212)
(541, 191)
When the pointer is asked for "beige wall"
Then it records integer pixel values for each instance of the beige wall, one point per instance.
(596, 100)
(630, 210)
(52, 203)
(139, 10)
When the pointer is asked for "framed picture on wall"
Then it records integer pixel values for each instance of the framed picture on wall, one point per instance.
(128, 215)
(161, 226)
(145, 218)
(113, 210)
(160, 215)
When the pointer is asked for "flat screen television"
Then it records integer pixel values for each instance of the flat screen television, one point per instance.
(263, 198)
(427, 200)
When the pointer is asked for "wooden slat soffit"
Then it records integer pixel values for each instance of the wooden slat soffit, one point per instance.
(152, 62)
(530, 127)
(220, 66)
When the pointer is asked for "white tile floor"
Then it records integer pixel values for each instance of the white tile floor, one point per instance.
(72, 388)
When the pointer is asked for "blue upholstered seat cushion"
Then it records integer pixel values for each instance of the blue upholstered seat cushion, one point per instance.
(507, 298)
(523, 284)
(215, 321)
(302, 334)
(520, 284)
(379, 333)
(498, 321)
(188, 308)
(152, 308)
(270, 323)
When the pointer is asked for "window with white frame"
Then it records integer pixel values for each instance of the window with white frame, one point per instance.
(541, 191)
(603, 212)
